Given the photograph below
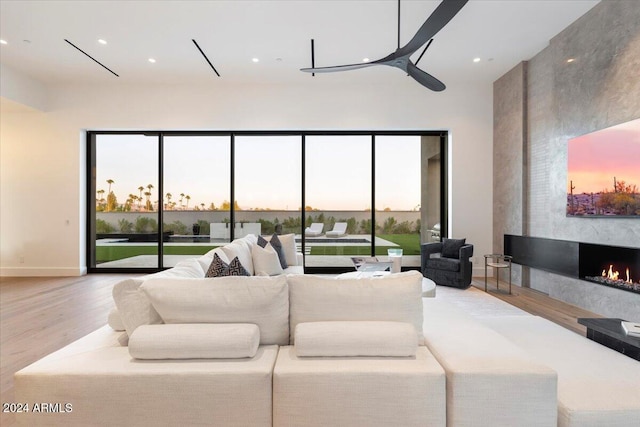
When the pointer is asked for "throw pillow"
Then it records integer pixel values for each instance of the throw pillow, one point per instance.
(265, 261)
(277, 245)
(451, 247)
(289, 248)
(217, 267)
(262, 242)
(235, 268)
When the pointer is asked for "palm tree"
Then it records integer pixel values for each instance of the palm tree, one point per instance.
(202, 206)
(148, 206)
(188, 197)
(168, 206)
(110, 181)
(141, 188)
(181, 197)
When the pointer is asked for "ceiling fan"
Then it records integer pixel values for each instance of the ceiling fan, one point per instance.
(401, 57)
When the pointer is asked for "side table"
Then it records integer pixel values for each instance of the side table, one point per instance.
(497, 261)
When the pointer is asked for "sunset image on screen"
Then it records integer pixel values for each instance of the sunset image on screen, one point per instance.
(604, 172)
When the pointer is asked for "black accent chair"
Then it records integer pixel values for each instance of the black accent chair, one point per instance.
(447, 263)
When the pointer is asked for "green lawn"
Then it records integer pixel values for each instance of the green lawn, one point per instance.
(112, 253)
(410, 243)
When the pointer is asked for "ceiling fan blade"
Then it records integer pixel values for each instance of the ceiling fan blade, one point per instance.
(424, 78)
(434, 23)
(337, 68)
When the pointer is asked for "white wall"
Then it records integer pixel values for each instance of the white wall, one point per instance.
(43, 181)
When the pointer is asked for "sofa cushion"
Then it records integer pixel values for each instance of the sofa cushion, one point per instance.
(115, 320)
(447, 264)
(187, 268)
(451, 247)
(133, 304)
(265, 260)
(348, 339)
(396, 298)
(195, 341)
(260, 300)
(242, 251)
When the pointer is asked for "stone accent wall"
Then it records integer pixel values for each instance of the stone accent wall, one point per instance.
(599, 89)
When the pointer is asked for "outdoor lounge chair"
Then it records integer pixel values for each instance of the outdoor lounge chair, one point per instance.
(314, 230)
(339, 230)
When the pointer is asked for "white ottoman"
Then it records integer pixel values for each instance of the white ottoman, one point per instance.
(358, 391)
(428, 285)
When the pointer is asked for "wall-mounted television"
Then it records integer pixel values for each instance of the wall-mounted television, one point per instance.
(603, 178)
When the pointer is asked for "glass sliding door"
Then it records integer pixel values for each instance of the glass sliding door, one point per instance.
(196, 187)
(124, 228)
(268, 185)
(398, 196)
(338, 199)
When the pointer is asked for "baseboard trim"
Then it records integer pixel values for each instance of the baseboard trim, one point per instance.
(42, 271)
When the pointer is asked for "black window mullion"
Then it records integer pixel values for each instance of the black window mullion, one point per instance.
(373, 195)
(303, 198)
(160, 199)
(232, 189)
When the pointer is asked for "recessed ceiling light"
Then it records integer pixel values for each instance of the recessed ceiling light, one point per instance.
(255, 59)
(102, 41)
(3, 42)
(153, 61)
(570, 60)
(476, 59)
(365, 60)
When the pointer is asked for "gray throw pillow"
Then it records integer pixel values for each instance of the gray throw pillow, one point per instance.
(451, 247)
(277, 245)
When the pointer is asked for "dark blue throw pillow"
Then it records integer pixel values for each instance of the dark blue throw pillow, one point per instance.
(451, 247)
(277, 245)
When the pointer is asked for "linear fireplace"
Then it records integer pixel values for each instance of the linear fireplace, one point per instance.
(613, 266)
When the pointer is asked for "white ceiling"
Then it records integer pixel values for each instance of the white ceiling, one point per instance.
(231, 33)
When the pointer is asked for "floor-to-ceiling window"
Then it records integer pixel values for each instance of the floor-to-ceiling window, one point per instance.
(123, 199)
(161, 197)
(195, 199)
(267, 184)
(338, 196)
(398, 195)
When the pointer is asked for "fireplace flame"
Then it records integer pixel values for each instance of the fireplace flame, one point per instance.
(615, 275)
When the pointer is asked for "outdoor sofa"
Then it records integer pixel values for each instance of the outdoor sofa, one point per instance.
(301, 350)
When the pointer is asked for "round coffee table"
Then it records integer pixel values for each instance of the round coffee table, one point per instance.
(428, 285)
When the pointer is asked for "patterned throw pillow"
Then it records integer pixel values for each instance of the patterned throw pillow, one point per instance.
(217, 267)
(235, 268)
(262, 242)
(277, 245)
(451, 247)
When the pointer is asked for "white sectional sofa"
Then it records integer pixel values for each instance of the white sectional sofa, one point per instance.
(298, 350)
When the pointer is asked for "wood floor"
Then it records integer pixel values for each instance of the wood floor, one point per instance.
(41, 315)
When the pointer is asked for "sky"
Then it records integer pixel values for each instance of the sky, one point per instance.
(596, 158)
(268, 170)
